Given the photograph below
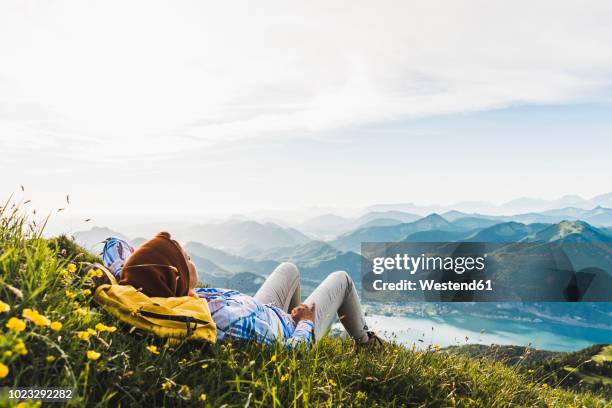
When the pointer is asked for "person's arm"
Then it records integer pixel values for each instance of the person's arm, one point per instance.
(304, 329)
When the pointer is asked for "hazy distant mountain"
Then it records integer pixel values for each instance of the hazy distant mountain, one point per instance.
(395, 233)
(208, 270)
(93, 239)
(230, 263)
(329, 226)
(516, 206)
(505, 232)
(400, 216)
(571, 231)
(241, 237)
(471, 223)
(437, 236)
(212, 275)
(316, 251)
(316, 259)
(349, 262)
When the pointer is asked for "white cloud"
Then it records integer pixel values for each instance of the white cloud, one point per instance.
(143, 72)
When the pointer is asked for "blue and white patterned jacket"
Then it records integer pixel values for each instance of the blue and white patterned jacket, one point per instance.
(240, 316)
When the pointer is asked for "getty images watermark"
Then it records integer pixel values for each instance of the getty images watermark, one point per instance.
(486, 272)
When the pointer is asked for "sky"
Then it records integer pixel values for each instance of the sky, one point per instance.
(232, 107)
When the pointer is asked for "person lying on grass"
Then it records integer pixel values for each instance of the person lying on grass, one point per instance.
(161, 267)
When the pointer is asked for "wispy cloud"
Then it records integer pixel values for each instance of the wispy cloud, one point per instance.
(136, 72)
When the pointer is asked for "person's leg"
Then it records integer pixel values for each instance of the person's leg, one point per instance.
(337, 295)
(281, 288)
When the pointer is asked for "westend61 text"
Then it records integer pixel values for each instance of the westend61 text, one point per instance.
(431, 285)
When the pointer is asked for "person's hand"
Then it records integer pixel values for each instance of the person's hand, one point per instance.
(303, 312)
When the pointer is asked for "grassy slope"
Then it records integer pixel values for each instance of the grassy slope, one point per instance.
(587, 369)
(237, 374)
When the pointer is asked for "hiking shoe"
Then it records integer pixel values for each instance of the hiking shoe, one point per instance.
(373, 341)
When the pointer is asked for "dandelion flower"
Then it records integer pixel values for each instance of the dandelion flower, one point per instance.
(71, 268)
(20, 348)
(184, 389)
(273, 358)
(111, 329)
(202, 397)
(16, 325)
(55, 326)
(4, 307)
(4, 370)
(7, 353)
(91, 331)
(50, 358)
(152, 349)
(101, 327)
(83, 335)
(93, 355)
(166, 386)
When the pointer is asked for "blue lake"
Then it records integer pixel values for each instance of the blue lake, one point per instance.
(453, 330)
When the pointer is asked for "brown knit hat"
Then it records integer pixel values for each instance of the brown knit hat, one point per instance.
(158, 268)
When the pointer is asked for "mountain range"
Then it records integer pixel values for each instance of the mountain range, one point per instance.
(250, 250)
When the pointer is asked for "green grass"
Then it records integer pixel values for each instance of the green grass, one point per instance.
(34, 274)
(605, 356)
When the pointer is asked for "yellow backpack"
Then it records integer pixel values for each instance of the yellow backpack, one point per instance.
(183, 317)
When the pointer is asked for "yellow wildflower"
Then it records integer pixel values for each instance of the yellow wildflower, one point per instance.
(99, 273)
(20, 348)
(152, 349)
(70, 294)
(4, 370)
(436, 346)
(16, 325)
(56, 326)
(544, 385)
(273, 358)
(7, 353)
(166, 386)
(81, 311)
(111, 329)
(71, 268)
(205, 365)
(332, 383)
(23, 404)
(361, 395)
(93, 355)
(91, 331)
(4, 307)
(184, 389)
(530, 370)
(86, 292)
(50, 358)
(202, 397)
(285, 377)
(101, 327)
(83, 335)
